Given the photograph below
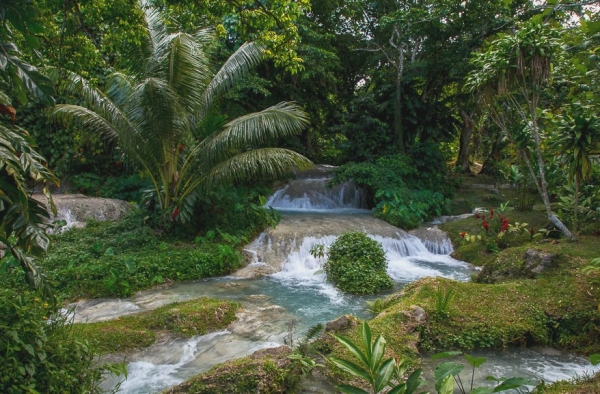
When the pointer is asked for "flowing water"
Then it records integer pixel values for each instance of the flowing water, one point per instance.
(293, 297)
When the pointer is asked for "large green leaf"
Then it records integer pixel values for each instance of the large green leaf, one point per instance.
(447, 354)
(414, 381)
(446, 369)
(26, 78)
(347, 389)
(511, 383)
(475, 361)
(384, 374)
(446, 385)
(352, 348)
(351, 368)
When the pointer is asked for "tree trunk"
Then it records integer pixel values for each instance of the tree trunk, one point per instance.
(465, 139)
(398, 126)
(488, 166)
(542, 189)
(576, 205)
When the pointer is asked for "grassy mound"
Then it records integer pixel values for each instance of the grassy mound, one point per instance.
(267, 371)
(189, 318)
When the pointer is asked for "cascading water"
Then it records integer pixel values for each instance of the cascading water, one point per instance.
(294, 294)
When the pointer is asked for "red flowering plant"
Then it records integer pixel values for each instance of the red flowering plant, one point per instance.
(497, 228)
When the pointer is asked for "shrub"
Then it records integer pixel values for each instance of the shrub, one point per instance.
(409, 208)
(404, 190)
(357, 264)
(40, 351)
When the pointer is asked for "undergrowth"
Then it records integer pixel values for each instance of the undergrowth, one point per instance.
(118, 258)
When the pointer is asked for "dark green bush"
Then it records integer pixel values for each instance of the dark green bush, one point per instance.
(403, 189)
(123, 187)
(357, 264)
(407, 208)
(39, 351)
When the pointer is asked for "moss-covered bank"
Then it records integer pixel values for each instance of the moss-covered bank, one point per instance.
(267, 371)
(556, 305)
(581, 385)
(196, 317)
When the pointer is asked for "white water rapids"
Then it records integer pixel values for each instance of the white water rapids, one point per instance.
(294, 293)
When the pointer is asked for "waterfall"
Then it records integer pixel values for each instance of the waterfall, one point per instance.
(313, 195)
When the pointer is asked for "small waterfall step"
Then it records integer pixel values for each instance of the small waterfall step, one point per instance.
(309, 193)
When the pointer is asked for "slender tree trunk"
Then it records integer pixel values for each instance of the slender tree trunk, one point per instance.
(488, 167)
(465, 139)
(576, 205)
(544, 193)
(398, 126)
(544, 184)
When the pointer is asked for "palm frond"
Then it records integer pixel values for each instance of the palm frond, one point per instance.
(118, 88)
(265, 163)
(248, 56)
(89, 120)
(255, 129)
(95, 100)
(154, 108)
(186, 67)
(157, 29)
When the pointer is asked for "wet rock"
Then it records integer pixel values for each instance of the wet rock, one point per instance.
(341, 323)
(434, 239)
(254, 271)
(80, 208)
(229, 285)
(258, 298)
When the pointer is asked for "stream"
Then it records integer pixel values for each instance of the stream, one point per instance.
(294, 296)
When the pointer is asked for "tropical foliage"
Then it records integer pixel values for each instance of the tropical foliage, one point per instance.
(23, 220)
(163, 116)
(357, 264)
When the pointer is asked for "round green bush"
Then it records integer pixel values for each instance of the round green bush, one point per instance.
(357, 264)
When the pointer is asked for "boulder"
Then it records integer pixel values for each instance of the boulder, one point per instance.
(537, 262)
(76, 209)
(415, 317)
(341, 323)
(533, 263)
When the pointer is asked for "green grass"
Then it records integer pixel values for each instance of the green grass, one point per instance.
(580, 385)
(190, 318)
(476, 253)
(118, 258)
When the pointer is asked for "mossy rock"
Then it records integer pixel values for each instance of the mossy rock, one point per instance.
(195, 317)
(268, 371)
(531, 264)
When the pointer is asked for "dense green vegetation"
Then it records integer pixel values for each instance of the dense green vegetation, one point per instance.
(357, 264)
(41, 352)
(119, 258)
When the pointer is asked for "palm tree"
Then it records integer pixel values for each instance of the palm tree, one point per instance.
(163, 116)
